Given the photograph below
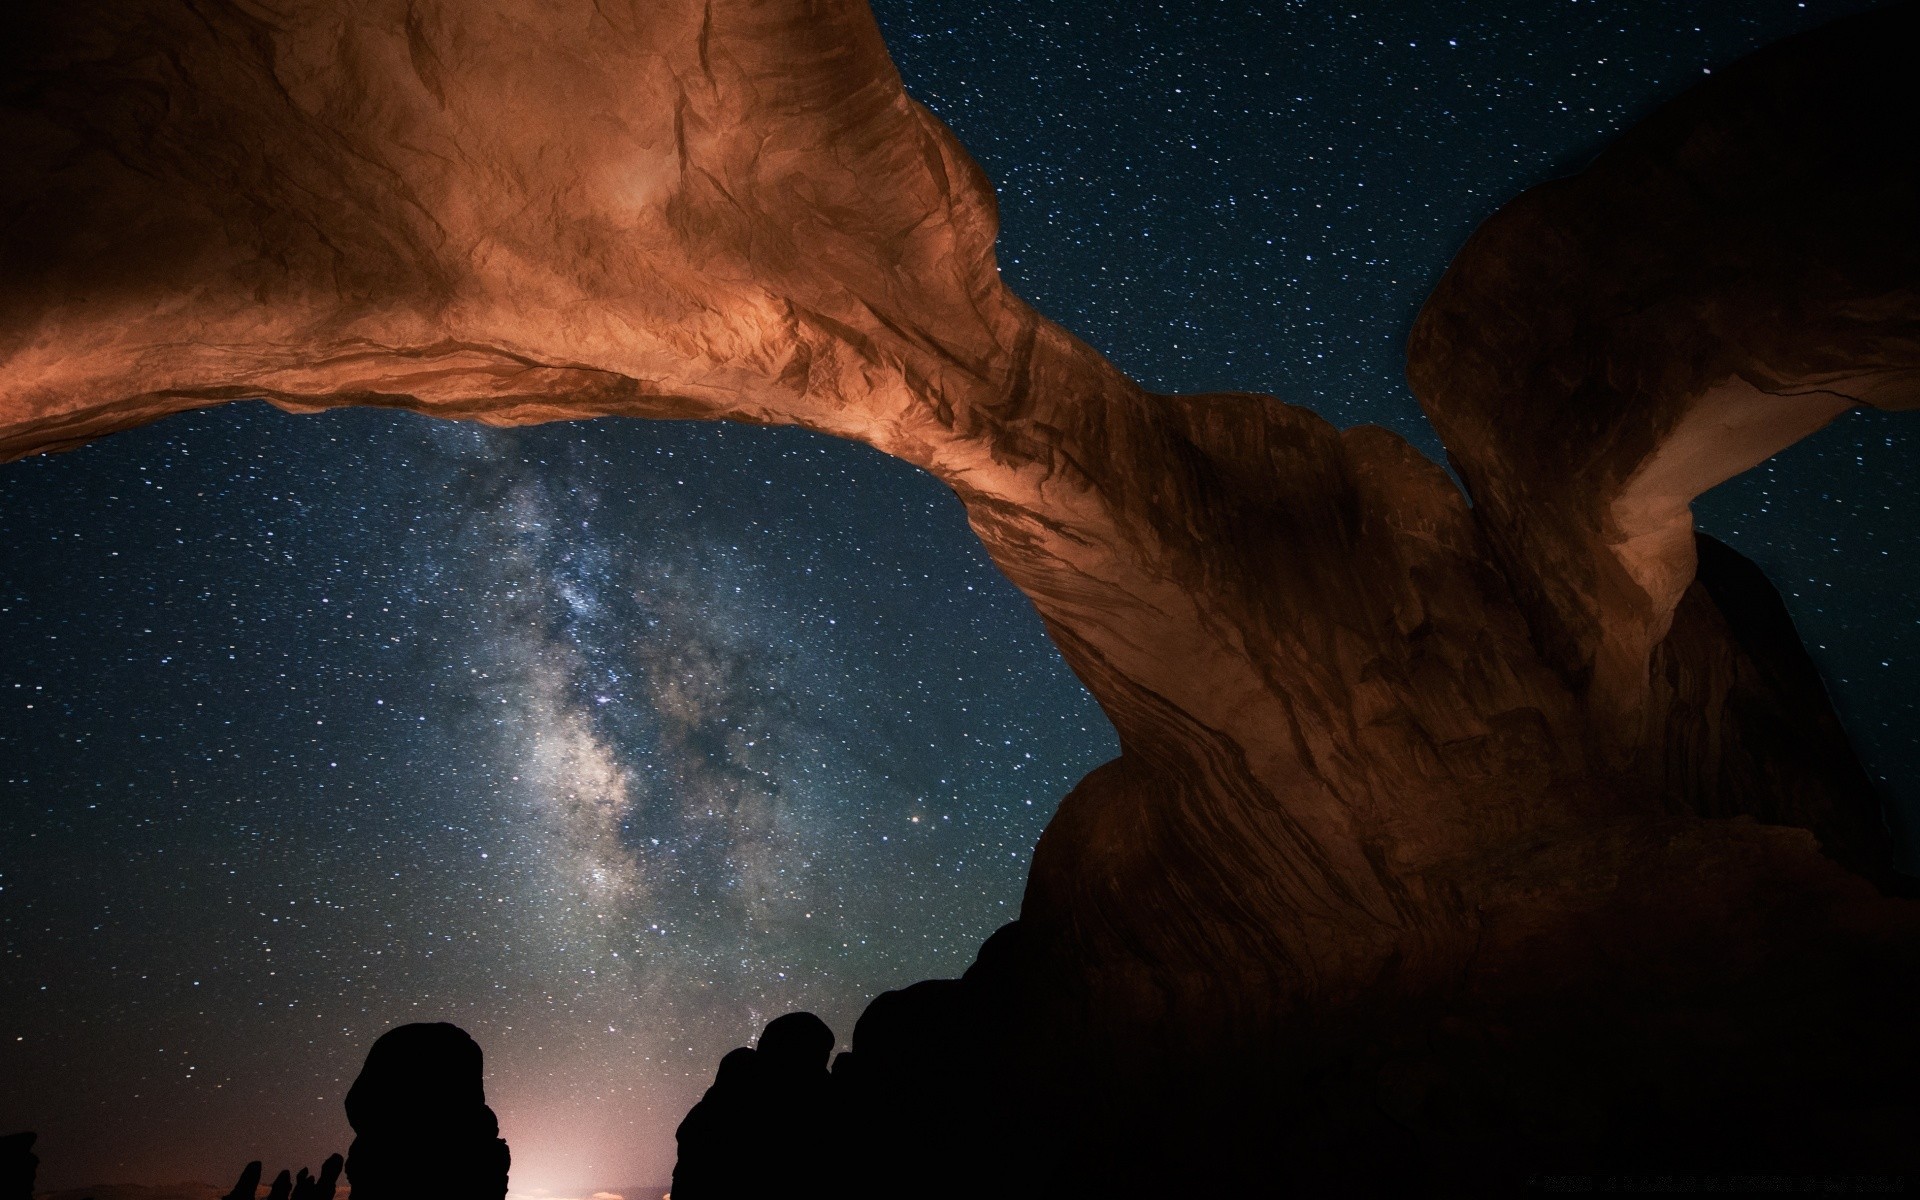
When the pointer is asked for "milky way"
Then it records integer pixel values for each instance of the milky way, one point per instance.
(611, 741)
(609, 744)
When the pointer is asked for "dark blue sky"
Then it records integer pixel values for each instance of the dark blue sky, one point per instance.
(611, 741)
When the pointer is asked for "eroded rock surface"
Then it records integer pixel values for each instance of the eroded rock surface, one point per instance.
(1729, 277)
(1416, 798)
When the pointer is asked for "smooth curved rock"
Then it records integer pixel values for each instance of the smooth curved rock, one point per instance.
(732, 210)
(1389, 760)
(1728, 277)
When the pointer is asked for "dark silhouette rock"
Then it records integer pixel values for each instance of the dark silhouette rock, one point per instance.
(916, 1087)
(767, 1126)
(927, 1103)
(287, 1186)
(796, 1046)
(713, 1158)
(247, 1187)
(321, 1187)
(421, 1122)
(800, 1136)
(18, 1165)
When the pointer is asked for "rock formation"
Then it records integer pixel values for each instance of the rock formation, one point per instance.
(769, 1125)
(1446, 826)
(247, 1187)
(421, 1122)
(1727, 278)
(18, 1166)
(287, 1186)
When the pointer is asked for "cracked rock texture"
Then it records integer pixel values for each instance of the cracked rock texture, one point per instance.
(1442, 827)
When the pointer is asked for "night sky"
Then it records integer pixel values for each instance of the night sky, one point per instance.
(611, 741)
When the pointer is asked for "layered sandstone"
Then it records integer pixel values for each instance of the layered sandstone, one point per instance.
(1726, 279)
(1384, 751)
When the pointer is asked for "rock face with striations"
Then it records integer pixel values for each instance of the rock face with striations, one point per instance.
(1461, 829)
(1726, 279)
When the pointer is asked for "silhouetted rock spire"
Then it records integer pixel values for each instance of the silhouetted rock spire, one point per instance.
(422, 1125)
(248, 1185)
(307, 1187)
(286, 1186)
(18, 1164)
(765, 1126)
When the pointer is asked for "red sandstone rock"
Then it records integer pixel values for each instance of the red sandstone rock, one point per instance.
(1379, 747)
(517, 213)
(1730, 276)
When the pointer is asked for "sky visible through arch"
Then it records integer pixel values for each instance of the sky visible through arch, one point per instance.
(611, 741)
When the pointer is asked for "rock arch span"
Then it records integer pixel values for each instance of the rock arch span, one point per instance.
(1380, 746)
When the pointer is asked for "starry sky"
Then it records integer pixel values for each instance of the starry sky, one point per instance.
(610, 741)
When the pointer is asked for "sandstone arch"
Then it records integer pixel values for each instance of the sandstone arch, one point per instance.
(1369, 731)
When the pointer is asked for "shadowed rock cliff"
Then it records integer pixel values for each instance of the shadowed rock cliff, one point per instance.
(1428, 826)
